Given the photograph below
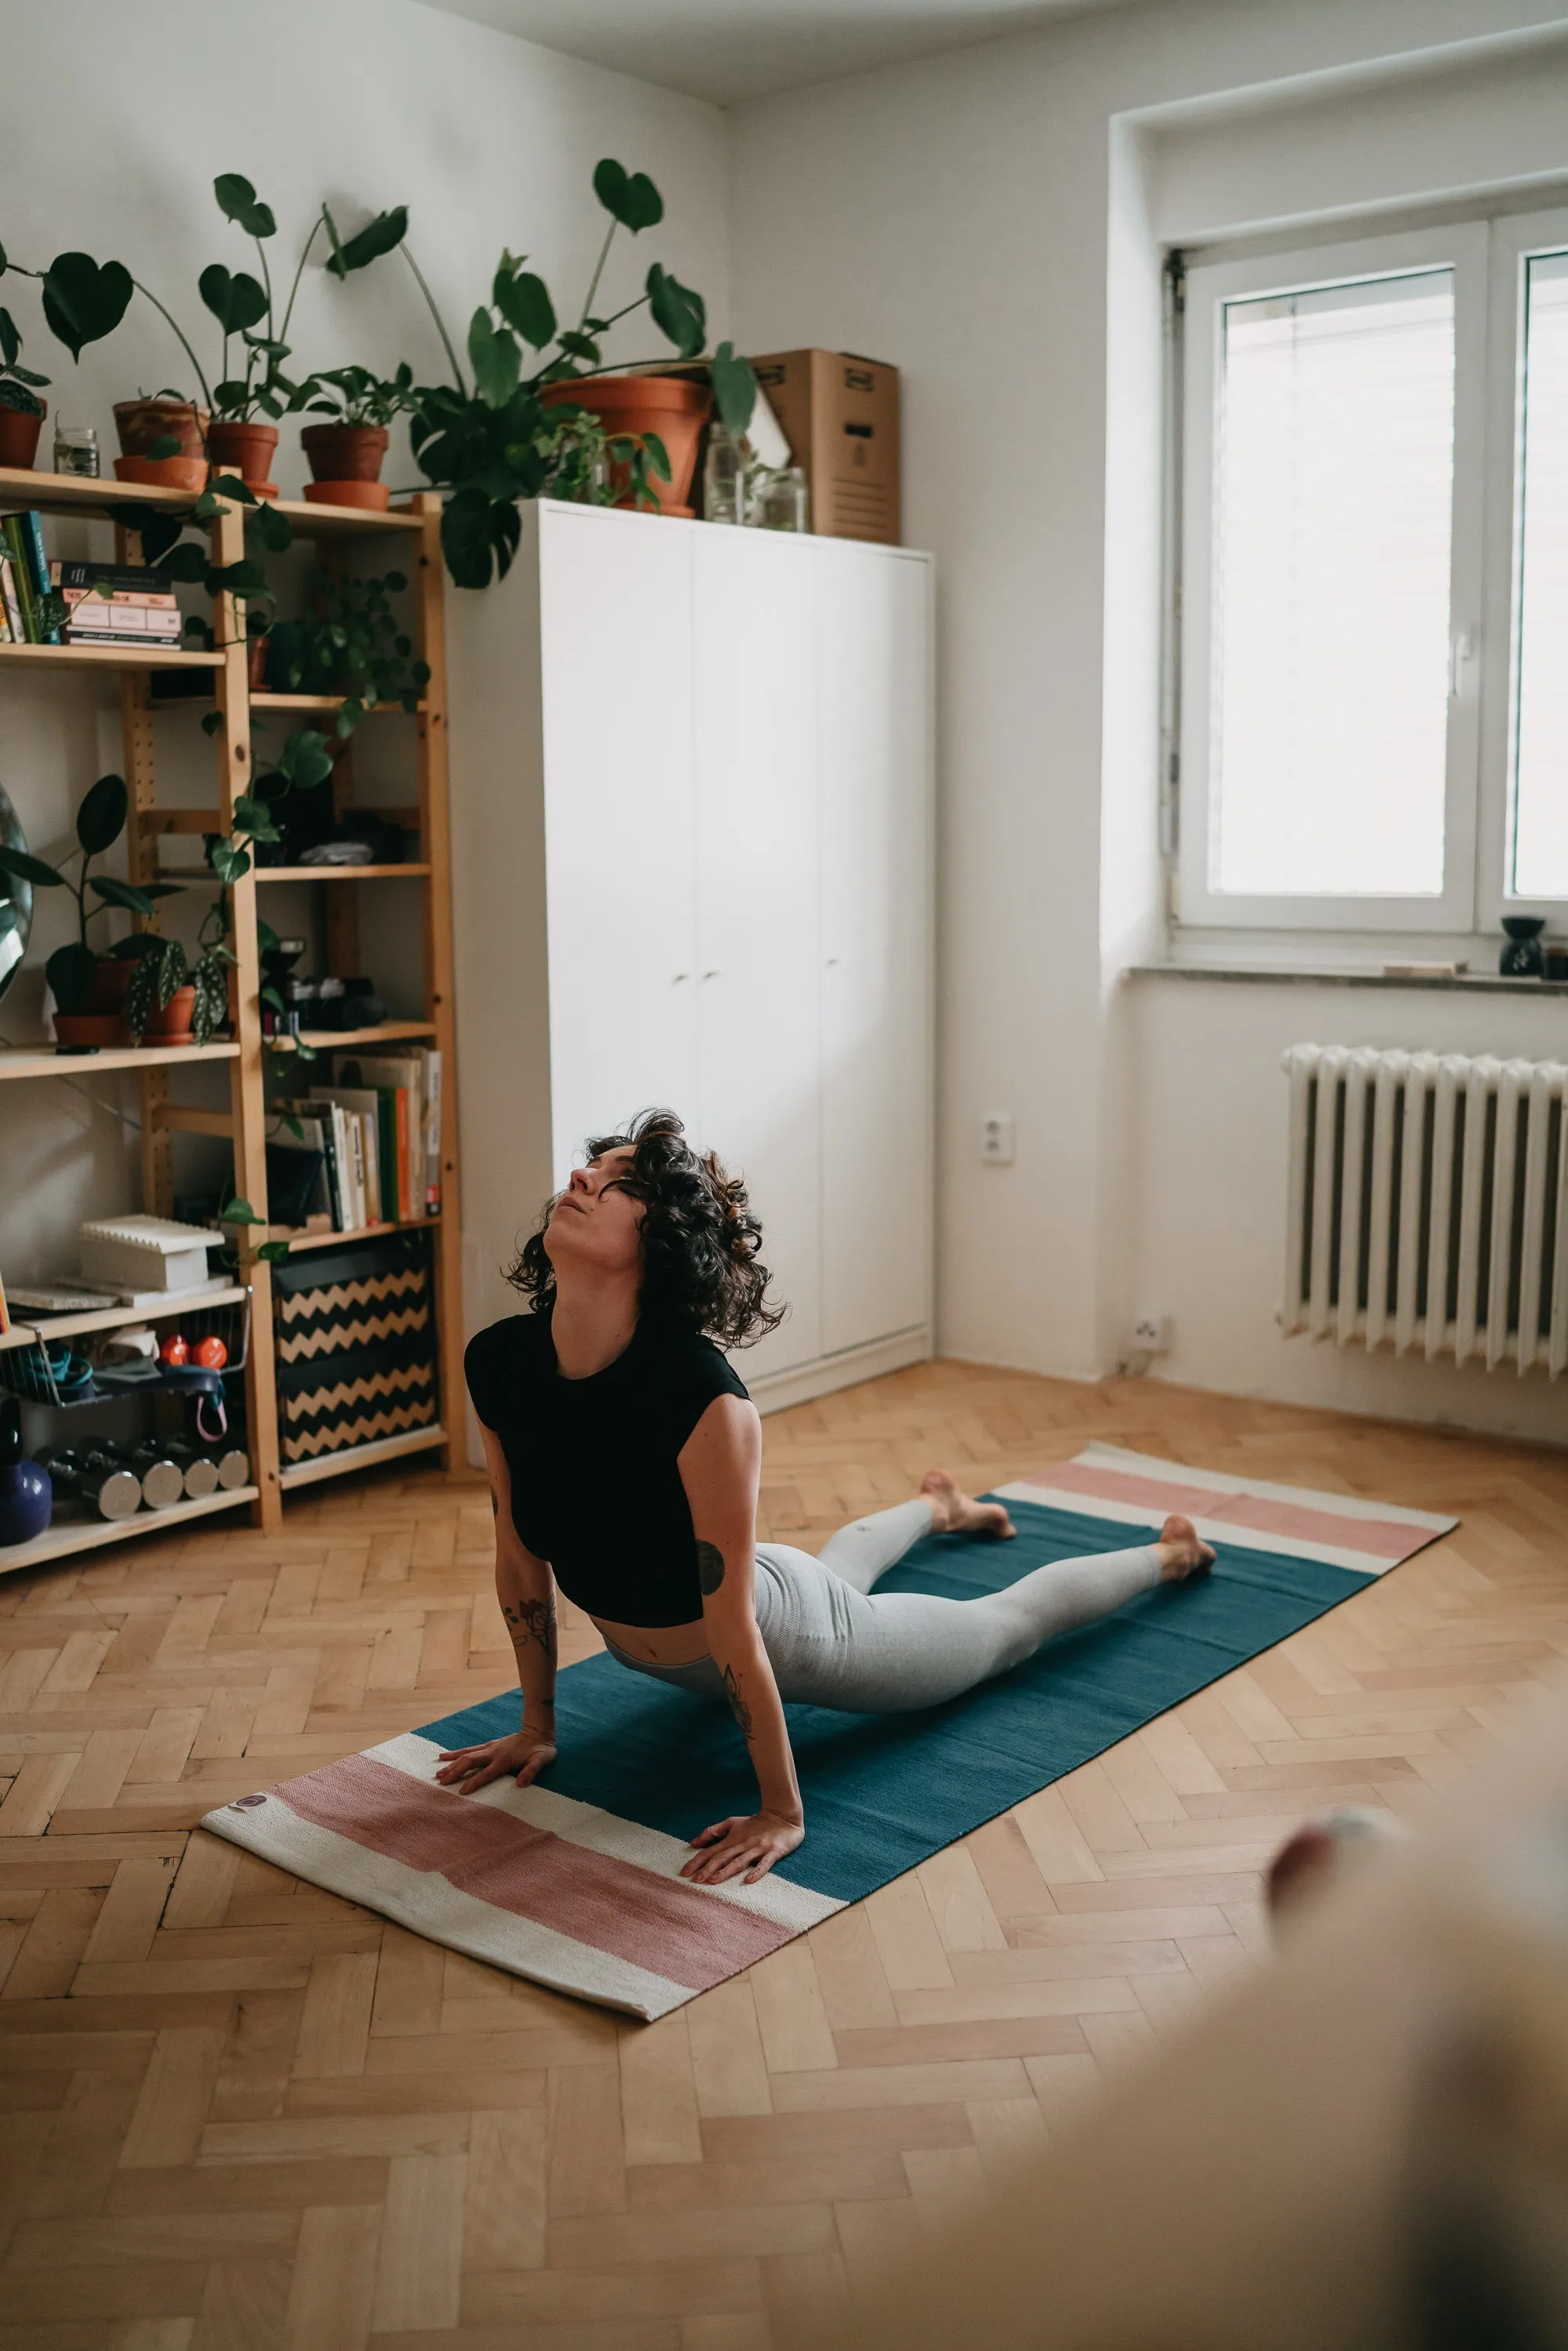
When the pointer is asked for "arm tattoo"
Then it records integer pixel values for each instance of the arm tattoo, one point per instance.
(710, 1568)
(738, 1705)
(532, 1620)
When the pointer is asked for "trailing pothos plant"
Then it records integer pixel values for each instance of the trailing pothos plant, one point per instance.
(494, 441)
(348, 642)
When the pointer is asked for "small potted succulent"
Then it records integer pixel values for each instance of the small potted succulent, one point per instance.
(347, 455)
(22, 411)
(90, 987)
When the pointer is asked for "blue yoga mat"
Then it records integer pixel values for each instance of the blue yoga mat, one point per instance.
(884, 1792)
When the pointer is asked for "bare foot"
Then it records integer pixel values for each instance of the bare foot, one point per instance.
(1185, 1552)
(953, 1513)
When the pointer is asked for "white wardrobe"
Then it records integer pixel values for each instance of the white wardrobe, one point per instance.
(692, 814)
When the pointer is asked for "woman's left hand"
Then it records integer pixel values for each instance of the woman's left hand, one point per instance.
(753, 1845)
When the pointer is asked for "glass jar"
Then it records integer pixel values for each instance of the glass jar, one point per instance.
(725, 479)
(783, 499)
(75, 449)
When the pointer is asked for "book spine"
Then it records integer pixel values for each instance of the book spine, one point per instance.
(13, 601)
(129, 577)
(5, 637)
(330, 1154)
(373, 1212)
(404, 1190)
(356, 1136)
(21, 575)
(432, 1133)
(386, 1150)
(131, 639)
(33, 531)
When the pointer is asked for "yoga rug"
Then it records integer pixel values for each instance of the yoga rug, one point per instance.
(576, 1883)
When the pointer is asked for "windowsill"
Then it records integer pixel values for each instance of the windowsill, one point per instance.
(1476, 983)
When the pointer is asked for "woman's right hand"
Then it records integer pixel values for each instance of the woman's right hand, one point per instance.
(521, 1757)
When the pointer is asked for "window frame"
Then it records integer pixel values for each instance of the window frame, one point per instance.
(1465, 248)
(1514, 239)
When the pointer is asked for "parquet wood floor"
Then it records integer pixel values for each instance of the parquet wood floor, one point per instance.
(240, 2114)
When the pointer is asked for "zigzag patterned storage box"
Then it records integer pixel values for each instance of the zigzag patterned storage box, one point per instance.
(355, 1330)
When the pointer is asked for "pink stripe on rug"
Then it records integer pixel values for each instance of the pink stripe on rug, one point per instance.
(673, 1929)
(1378, 1538)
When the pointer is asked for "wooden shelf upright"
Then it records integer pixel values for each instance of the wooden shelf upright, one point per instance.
(243, 1053)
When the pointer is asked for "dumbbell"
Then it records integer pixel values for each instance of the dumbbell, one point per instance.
(99, 1477)
(162, 1479)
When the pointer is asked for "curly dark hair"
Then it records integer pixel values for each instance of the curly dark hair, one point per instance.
(700, 1241)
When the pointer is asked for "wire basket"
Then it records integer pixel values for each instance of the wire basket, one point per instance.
(62, 1372)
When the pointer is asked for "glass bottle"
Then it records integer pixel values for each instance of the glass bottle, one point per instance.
(725, 479)
(75, 449)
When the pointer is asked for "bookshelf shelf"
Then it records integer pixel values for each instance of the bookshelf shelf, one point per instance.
(325, 703)
(104, 657)
(118, 1318)
(334, 1040)
(299, 1242)
(42, 1061)
(72, 1535)
(363, 1457)
(242, 1057)
(194, 875)
(76, 494)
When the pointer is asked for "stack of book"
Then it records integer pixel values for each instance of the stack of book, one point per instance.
(24, 580)
(117, 604)
(377, 1130)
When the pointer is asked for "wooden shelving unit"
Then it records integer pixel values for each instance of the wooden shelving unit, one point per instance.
(242, 1055)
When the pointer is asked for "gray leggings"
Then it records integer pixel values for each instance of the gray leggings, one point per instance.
(832, 1642)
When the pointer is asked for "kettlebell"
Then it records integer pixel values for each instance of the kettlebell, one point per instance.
(26, 1496)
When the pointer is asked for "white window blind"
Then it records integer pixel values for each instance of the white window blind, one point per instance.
(1540, 780)
(1331, 554)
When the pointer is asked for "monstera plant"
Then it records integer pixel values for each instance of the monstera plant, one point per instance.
(513, 431)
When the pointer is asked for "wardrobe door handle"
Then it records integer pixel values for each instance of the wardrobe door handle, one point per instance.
(711, 975)
(682, 975)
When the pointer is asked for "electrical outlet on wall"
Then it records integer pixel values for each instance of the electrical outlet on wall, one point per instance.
(997, 1142)
(1152, 1334)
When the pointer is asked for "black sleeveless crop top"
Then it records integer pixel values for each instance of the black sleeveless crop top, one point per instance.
(595, 1486)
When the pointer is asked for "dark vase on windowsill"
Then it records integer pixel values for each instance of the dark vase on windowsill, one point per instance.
(1522, 958)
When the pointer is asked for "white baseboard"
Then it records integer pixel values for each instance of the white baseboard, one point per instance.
(845, 1371)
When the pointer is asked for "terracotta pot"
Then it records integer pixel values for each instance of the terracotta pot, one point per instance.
(101, 1021)
(373, 496)
(141, 422)
(255, 664)
(247, 450)
(345, 453)
(19, 437)
(164, 473)
(669, 405)
(171, 1024)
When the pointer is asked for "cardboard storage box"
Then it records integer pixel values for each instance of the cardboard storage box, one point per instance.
(840, 416)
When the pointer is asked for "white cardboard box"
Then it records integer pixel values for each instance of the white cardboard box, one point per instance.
(146, 1254)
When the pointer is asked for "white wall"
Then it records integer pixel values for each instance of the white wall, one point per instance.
(982, 221)
(114, 120)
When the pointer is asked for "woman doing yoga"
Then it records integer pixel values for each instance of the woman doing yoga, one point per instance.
(624, 1456)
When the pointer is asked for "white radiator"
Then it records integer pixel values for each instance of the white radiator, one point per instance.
(1429, 1204)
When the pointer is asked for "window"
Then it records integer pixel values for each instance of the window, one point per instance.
(1374, 698)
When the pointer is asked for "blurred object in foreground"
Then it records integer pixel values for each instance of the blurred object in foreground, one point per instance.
(1364, 2148)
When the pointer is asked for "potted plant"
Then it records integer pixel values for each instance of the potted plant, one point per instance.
(346, 456)
(348, 642)
(571, 426)
(84, 301)
(22, 411)
(89, 988)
